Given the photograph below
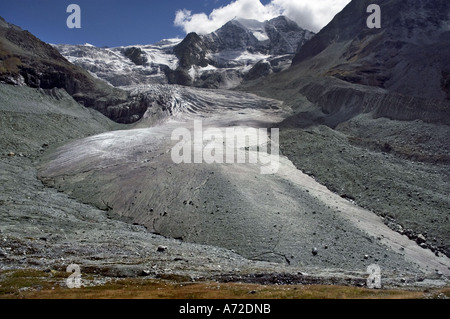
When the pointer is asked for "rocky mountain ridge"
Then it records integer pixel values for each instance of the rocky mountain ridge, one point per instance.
(408, 55)
(399, 71)
(27, 61)
(222, 59)
(355, 90)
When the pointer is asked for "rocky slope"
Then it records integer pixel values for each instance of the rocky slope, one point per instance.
(25, 60)
(368, 103)
(409, 55)
(42, 228)
(399, 71)
(222, 59)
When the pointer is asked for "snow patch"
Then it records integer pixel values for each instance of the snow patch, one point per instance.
(261, 36)
(192, 73)
(168, 42)
(243, 57)
(208, 68)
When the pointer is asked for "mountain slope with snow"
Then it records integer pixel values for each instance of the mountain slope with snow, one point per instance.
(274, 37)
(117, 65)
(221, 59)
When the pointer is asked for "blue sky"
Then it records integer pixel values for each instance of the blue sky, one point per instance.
(104, 22)
(129, 22)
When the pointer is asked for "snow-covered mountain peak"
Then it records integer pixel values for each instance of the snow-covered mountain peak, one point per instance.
(220, 59)
(168, 42)
(257, 28)
(249, 24)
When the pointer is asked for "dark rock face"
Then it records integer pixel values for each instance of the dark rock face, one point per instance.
(286, 37)
(261, 69)
(446, 82)
(179, 76)
(192, 51)
(233, 36)
(340, 103)
(211, 80)
(269, 66)
(399, 71)
(136, 55)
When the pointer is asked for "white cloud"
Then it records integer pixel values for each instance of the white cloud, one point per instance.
(309, 14)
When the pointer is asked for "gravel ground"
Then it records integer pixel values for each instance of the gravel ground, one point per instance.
(364, 160)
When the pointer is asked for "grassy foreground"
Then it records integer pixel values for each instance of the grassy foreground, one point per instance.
(32, 284)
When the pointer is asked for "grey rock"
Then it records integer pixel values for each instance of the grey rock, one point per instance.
(162, 249)
(261, 69)
(421, 239)
(145, 273)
